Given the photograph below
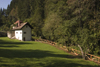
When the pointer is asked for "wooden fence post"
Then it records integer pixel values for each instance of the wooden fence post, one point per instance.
(98, 60)
(90, 57)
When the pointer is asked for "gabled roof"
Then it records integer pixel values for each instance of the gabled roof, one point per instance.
(22, 25)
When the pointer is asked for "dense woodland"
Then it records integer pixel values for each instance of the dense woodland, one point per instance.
(68, 22)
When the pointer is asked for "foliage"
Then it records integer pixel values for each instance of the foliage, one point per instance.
(68, 22)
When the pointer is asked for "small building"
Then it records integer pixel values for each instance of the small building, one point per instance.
(10, 34)
(22, 31)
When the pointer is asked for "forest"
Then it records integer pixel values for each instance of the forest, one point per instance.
(67, 22)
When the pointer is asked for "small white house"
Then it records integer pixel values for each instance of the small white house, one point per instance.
(22, 31)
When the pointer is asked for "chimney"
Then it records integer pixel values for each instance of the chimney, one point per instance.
(19, 23)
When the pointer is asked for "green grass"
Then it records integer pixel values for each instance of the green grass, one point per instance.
(14, 53)
(33, 37)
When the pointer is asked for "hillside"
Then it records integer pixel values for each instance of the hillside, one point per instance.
(68, 22)
(15, 53)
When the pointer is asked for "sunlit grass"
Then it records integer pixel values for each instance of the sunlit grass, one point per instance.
(14, 53)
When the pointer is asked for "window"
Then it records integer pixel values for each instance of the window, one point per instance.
(24, 32)
(16, 32)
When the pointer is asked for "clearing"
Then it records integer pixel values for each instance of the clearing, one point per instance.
(14, 53)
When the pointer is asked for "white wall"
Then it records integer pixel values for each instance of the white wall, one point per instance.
(26, 35)
(18, 34)
(9, 34)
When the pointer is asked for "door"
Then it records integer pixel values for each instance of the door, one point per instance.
(24, 39)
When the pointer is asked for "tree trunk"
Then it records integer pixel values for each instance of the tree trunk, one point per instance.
(82, 52)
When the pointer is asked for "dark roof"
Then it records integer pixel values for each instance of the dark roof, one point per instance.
(22, 25)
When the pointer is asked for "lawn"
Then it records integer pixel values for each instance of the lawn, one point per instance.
(14, 53)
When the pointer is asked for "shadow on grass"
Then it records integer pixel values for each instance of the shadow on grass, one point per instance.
(39, 54)
(63, 63)
(4, 43)
(29, 54)
(53, 63)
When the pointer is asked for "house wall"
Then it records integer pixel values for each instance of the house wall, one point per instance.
(10, 34)
(26, 33)
(18, 34)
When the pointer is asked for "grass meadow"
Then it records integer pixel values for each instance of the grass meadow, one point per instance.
(14, 53)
